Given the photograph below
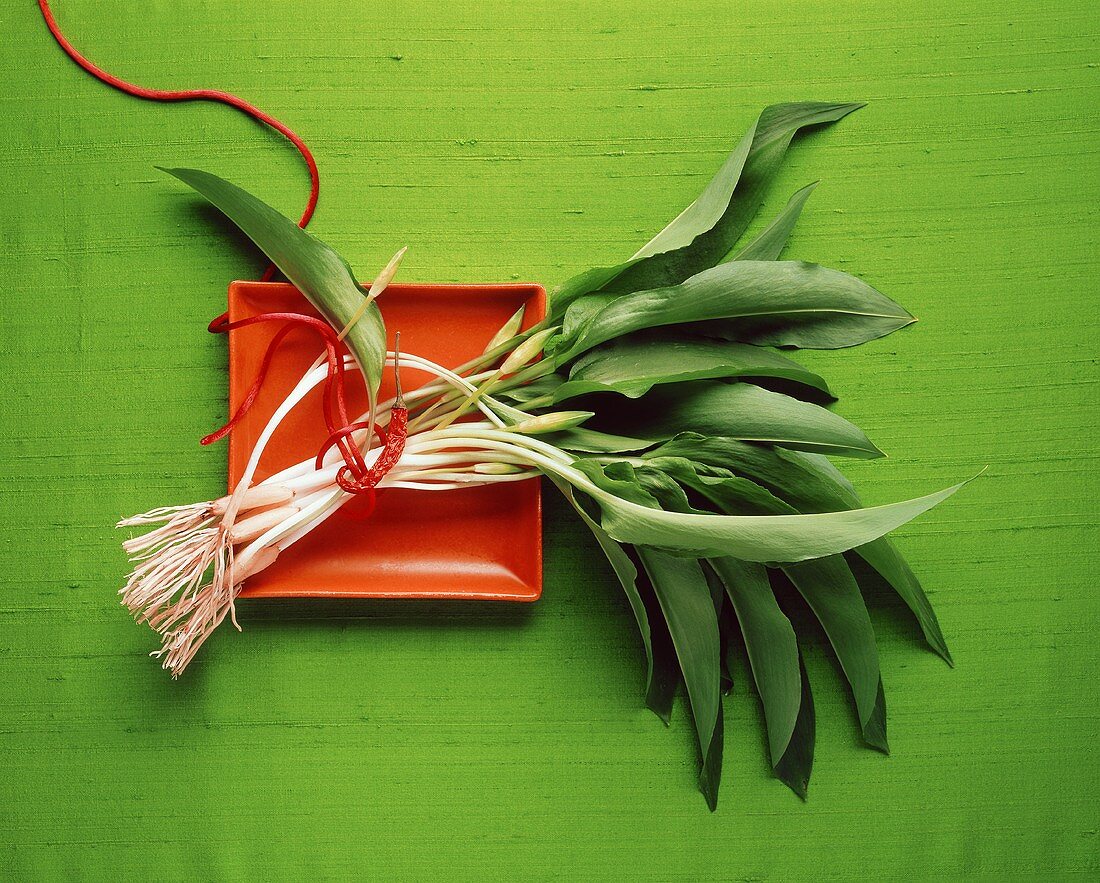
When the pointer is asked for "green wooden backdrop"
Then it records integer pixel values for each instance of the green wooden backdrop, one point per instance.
(526, 141)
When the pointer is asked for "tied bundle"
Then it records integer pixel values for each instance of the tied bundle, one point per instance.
(652, 396)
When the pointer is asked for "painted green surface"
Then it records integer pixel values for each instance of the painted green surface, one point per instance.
(526, 141)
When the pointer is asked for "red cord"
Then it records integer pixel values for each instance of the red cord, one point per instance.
(334, 383)
(191, 95)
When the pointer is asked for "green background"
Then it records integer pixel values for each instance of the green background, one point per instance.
(528, 141)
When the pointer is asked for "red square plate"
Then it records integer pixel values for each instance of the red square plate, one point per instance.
(476, 543)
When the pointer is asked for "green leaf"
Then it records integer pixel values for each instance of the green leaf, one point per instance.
(661, 689)
(727, 626)
(831, 591)
(590, 441)
(830, 491)
(684, 595)
(706, 211)
(582, 284)
(632, 365)
(710, 775)
(884, 557)
(811, 483)
(312, 267)
(777, 303)
(874, 731)
(704, 232)
(764, 538)
(797, 762)
(624, 570)
(770, 242)
(743, 411)
(708, 228)
(535, 389)
(772, 649)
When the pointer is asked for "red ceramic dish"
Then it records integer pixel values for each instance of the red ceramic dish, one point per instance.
(482, 543)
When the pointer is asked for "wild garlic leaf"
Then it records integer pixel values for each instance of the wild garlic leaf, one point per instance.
(811, 483)
(874, 731)
(884, 557)
(710, 775)
(684, 595)
(797, 762)
(831, 592)
(661, 690)
(830, 491)
(729, 494)
(690, 629)
(764, 538)
(673, 262)
(769, 243)
(708, 228)
(705, 211)
(536, 389)
(775, 303)
(771, 645)
(591, 441)
(312, 267)
(634, 364)
(743, 411)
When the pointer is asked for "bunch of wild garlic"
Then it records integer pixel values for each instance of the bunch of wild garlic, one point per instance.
(697, 457)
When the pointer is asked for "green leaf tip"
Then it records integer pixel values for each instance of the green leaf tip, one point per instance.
(314, 268)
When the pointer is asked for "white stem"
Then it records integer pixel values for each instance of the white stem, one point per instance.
(489, 442)
(316, 374)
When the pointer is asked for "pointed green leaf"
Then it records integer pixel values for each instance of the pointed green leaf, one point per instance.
(811, 483)
(772, 649)
(624, 570)
(827, 584)
(884, 557)
(770, 242)
(764, 538)
(705, 211)
(708, 228)
(704, 232)
(777, 303)
(684, 595)
(831, 591)
(710, 775)
(797, 763)
(743, 411)
(632, 365)
(535, 389)
(312, 267)
(874, 731)
(589, 441)
(661, 676)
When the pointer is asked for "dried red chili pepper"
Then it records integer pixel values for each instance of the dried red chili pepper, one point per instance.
(395, 440)
(394, 446)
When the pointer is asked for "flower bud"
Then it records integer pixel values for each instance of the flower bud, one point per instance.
(507, 331)
(554, 422)
(497, 469)
(526, 351)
